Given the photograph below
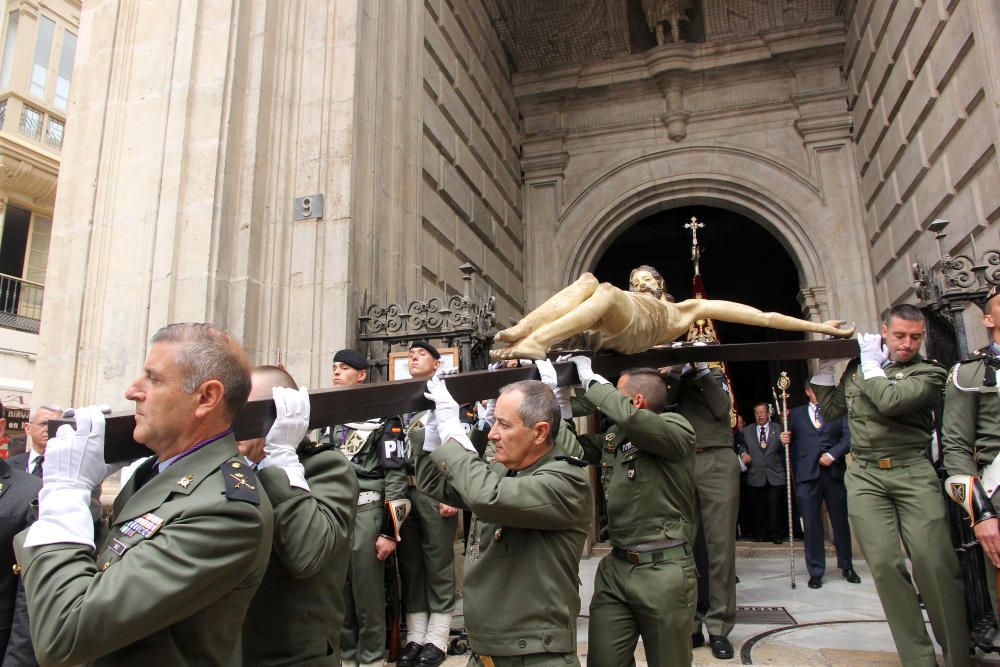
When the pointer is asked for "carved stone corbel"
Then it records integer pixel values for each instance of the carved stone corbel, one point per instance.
(671, 85)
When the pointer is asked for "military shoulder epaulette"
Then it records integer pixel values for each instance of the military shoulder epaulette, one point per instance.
(579, 463)
(309, 448)
(241, 482)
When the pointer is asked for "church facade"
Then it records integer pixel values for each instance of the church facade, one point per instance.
(271, 166)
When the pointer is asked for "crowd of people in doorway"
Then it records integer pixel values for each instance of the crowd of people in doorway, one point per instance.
(274, 551)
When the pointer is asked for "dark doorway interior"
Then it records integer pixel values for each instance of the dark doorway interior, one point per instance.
(741, 261)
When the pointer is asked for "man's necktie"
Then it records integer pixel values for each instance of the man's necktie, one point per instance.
(763, 437)
(817, 417)
(37, 470)
(146, 472)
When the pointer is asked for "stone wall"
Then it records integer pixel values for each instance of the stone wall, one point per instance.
(924, 85)
(192, 128)
(471, 179)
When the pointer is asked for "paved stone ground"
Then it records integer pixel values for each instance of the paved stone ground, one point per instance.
(839, 624)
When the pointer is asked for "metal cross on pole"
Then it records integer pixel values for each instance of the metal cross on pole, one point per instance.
(694, 226)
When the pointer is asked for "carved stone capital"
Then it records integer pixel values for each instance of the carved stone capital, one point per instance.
(823, 115)
(542, 155)
(813, 301)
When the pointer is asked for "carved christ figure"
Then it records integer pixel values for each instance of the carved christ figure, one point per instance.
(633, 321)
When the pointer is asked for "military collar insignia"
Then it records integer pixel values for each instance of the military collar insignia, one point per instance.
(899, 376)
(185, 481)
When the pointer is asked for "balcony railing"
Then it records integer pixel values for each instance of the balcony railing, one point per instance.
(31, 120)
(20, 303)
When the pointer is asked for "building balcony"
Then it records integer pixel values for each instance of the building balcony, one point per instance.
(20, 303)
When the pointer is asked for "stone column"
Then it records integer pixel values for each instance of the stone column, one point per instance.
(192, 128)
(544, 165)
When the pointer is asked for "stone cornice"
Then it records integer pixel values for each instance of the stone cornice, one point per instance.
(26, 171)
(715, 58)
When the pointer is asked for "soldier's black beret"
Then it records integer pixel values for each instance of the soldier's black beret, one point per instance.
(427, 346)
(355, 360)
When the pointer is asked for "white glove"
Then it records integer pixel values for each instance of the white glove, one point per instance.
(497, 365)
(585, 372)
(289, 428)
(873, 355)
(74, 466)
(700, 366)
(446, 411)
(432, 439)
(445, 372)
(486, 413)
(547, 372)
(824, 373)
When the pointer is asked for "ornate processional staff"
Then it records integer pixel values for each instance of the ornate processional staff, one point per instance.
(783, 384)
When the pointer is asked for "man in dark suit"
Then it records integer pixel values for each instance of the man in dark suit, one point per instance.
(817, 452)
(37, 430)
(764, 456)
(17, 489)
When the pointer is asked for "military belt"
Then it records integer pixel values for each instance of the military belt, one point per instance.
(654, 554)
(699, 450)
(889, 464)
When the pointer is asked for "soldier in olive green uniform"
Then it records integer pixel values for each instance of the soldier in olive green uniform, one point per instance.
(295, 617)
(190, 534)
(521, 587)
(893, 491)
(426, 550)
(701, 397)
(648, 586)
(375, 451)
(970, 431)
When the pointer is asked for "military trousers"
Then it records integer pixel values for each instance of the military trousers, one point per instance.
(362, 638)
(533, 660)
(426, 556)
(906, 503)
(653, 600)
(717, 476)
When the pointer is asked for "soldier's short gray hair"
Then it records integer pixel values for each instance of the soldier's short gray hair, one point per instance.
(48, 407)
(538, 404)
(208, 353)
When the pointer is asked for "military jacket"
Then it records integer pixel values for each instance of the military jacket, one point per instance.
(647, 470)
(702, 399)
(970, 429)
(295, 617)
(521, 588)
(172, 581)
(889, 417)
(366, 460)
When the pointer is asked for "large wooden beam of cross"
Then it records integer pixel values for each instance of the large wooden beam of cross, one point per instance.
(348, 404)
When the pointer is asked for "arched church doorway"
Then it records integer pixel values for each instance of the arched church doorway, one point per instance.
(740, 261)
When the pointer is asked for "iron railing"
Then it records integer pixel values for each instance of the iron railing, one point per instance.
(20, 303)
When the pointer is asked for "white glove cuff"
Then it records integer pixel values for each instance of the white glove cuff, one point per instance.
(432, 439)
(824, 378)
(455, 431)
(63, 516)
(871, 369)
(297, 476)
(599, 379)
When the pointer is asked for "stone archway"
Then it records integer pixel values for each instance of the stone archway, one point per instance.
(822, 237)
